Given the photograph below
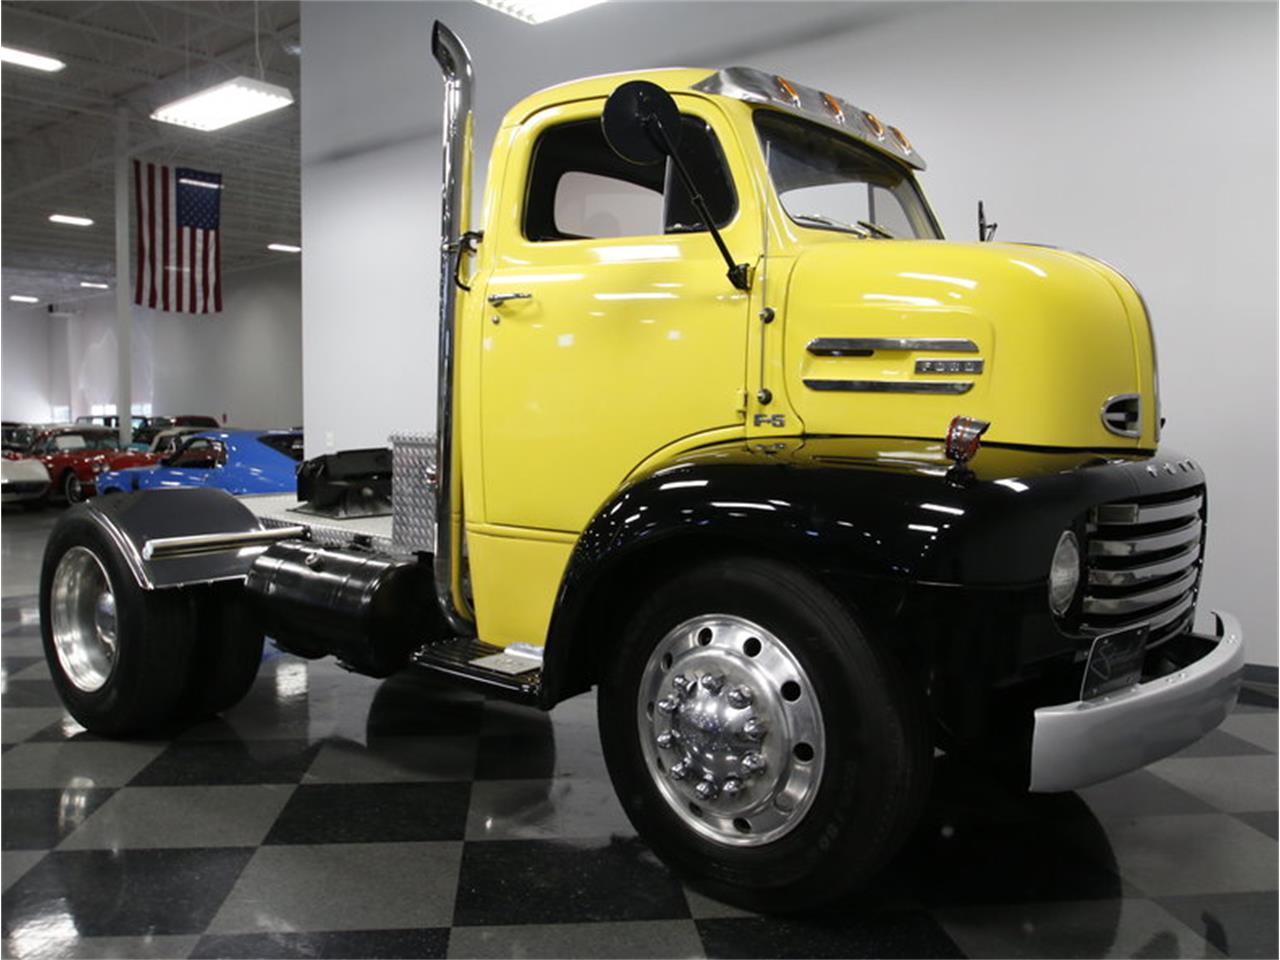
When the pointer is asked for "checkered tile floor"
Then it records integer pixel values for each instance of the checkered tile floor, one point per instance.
(333, 815)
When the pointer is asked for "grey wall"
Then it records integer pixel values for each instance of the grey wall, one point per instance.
(245, 362)
(1142, 133)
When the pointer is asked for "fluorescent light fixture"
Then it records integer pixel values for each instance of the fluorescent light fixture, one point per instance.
(95, 286)
(284, 247)
(224, 104)
(35, 61)
(70, 220)
(23, 298)
(538, 11)
(207, 184)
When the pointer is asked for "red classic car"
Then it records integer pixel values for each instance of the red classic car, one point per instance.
(75, 455)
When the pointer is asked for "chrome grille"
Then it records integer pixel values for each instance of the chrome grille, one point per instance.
(1143, 564)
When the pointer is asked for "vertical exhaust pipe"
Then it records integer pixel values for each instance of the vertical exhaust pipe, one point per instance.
(455, 209)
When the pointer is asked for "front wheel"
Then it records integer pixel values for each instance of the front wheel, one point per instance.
(72, 488)
(758, 741)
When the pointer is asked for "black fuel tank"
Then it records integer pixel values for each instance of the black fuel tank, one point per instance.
(370, 610)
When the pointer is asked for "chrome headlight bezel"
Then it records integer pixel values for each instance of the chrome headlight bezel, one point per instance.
(1064, 573)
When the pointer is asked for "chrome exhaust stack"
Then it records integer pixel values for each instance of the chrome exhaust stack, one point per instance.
(455, 216)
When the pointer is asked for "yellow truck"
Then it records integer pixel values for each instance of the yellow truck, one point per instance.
(729, 432)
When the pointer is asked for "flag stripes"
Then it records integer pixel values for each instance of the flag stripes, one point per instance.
(179, 262)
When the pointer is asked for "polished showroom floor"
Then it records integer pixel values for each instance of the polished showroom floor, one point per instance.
(333, 815)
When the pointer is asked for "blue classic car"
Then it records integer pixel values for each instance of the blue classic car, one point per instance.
(239, 461)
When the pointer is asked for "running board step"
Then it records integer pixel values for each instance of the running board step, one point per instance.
(514, 672)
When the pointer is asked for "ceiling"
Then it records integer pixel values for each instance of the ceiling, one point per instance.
(58, 129)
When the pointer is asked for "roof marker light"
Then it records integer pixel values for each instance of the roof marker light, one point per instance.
(874, 123)
(833, 105)
(901, 137)
(787, 88)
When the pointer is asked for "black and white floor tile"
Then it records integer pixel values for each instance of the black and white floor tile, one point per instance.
(330, 815)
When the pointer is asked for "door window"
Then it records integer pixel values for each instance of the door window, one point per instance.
(580, 189)
(200, 452)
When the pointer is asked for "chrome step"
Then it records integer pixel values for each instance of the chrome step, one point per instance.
(496, 669)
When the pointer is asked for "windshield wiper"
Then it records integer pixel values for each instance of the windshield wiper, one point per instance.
(832, 222)
(878, 230)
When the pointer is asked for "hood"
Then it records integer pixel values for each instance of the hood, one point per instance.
(895, 338)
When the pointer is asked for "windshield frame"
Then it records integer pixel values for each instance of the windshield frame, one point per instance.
(876, 156)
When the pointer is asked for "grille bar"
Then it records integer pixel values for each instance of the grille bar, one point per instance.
(1162, 619)
(1132, 602)
(1134, 546)
(1136, 513)
(1133, 576)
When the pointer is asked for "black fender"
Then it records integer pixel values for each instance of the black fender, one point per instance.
(132, 519)
(872, 518)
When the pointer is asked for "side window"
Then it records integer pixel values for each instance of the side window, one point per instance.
(580, 189)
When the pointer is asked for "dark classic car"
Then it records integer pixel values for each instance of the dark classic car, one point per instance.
(76, 455)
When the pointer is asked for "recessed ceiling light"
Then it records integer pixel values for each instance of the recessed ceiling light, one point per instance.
(224, 104)
(284, 247)
(539, 11)
(70, 220)
(23, 298)
(35, 61)
(95, 286)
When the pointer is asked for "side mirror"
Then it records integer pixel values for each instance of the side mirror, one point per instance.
(641, 123)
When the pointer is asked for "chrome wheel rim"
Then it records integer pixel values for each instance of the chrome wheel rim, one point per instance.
(83, 619)
(73, 488)
(731, 730)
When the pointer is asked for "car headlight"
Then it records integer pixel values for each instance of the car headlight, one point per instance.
(1064, 573)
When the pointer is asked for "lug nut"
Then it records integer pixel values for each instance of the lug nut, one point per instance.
(755, 729)
(732, 787)
(679, 770)
(752, 763)
(712, 682)
(666, 740)
(707, 790)
(684, 686)
(668, 704)
(740, 697)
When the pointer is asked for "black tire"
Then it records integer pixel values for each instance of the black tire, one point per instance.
(72, 488)
(154, 636)
(228, 651)
(877, 749)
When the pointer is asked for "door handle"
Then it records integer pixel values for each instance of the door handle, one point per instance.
(500, 298)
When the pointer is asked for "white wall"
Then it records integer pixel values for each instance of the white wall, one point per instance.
(1143, 133)
(24, 354)
(245, 363)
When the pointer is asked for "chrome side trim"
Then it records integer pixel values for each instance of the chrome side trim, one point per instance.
(202, 543)
(891, 386)
(1151, 571)
(1187, 533)
(1121, 431)
(455, 66)
(862, 346)
(1087, 741)
(757, 86)
(1132, 602)
(1134, 513)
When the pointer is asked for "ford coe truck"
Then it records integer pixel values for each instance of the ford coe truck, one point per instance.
(727, 431)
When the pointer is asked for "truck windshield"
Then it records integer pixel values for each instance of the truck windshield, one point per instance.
(832, 182)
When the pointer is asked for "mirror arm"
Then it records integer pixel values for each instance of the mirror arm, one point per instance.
(739, 274)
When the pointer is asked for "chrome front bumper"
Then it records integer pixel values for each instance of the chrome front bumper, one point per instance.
(1080, 743)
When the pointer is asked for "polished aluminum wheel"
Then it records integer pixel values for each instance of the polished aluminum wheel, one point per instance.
(731, 730)
(82, 610)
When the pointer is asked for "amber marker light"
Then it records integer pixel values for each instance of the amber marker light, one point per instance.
(901, 137)
(834, 106)
(874, 123)
(786, 87)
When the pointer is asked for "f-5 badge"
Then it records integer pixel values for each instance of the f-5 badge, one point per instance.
(949, 366)
(770, 419)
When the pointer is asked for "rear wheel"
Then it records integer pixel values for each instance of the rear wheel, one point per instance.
(758, 741)
(118, 654)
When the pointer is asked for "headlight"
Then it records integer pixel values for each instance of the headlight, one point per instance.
(1064, 573)
(99, 467)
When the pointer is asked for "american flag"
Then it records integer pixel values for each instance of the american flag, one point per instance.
(179, 247)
